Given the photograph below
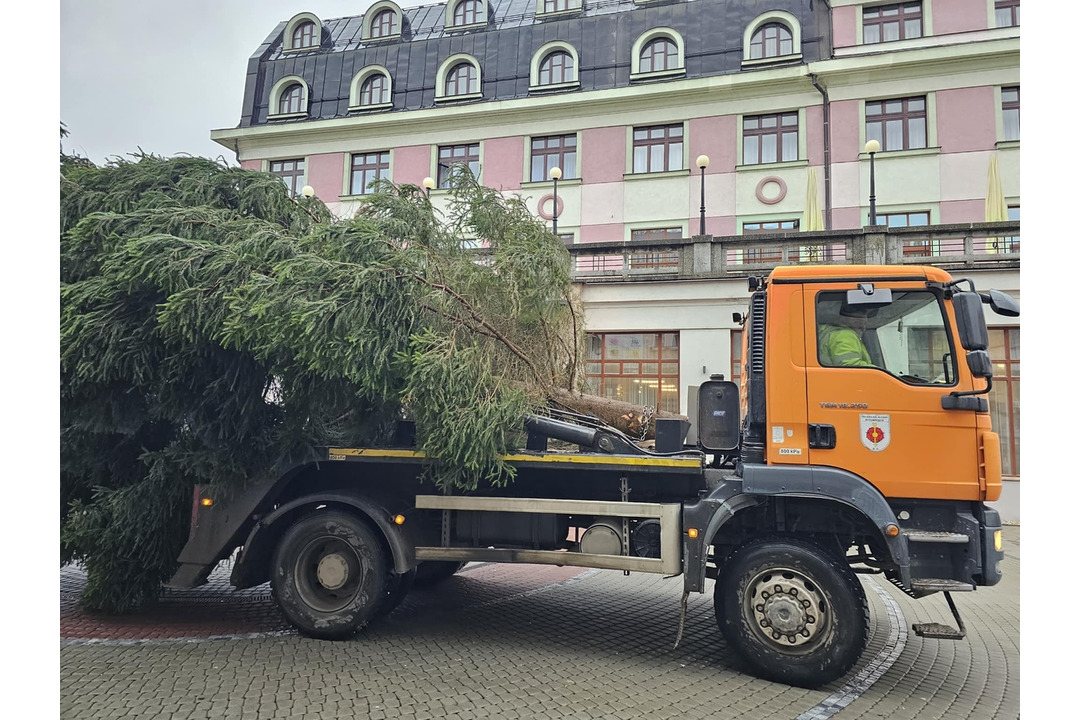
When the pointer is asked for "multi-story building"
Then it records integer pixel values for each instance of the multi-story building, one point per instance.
(721, 119)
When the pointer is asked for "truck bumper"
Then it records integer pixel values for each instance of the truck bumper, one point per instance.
(993, 551)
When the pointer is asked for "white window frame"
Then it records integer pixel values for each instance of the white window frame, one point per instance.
(299, 19)
(448, 17)
(275, 98)
(538, 58)
(373, 12)
(357, 86)
(444, 69)
(777, 16)
(647, 37)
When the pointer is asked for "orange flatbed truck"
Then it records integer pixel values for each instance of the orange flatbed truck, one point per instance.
(799, 478)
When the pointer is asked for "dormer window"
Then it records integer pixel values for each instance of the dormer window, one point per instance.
(660, 54)
(774, 36)
(771, 40)
(292, 99)
(375, 91)
(383, 24)
(304, 36)
(557, 68)
(467, 12)
(557, 7)
(462, 80)
(302, 33)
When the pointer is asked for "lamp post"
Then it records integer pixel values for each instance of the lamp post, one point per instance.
(307, 191)
(555, 174)
(702, 162)
(872, 147)
(428, 185)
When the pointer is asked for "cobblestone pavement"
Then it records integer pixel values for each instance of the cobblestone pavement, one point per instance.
(501, 641)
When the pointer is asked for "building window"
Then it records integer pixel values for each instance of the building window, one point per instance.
(886, 23)
(911, 248)
(304, 36)
(551, 6)
(660, 54)
(770, 138)
(897, 124)
(367, 167)
(451, 155)
(1007, 13)
(291, 173)
(557, 67)
(638, 368)
(462, 80)
(1005, 395)
(773, 254)
(771, 40)
(292, 99)
(467, 12)
(375, 90)
(383, 24)
(658, 148)
(555, 151)
(652, 259)
(1010, 113)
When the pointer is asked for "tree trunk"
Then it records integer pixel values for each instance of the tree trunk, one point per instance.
(623, 416)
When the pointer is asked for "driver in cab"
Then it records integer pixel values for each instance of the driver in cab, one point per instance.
(841, 344)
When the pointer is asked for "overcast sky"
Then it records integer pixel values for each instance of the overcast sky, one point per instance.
(161, 75)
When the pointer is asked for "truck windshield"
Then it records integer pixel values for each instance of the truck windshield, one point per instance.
(907, 338)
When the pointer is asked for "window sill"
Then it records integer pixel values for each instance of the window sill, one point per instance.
(381, 39)
(346, 198)
(540, 89)
(458, 98)
(902, 153)
(370, 108)
(287, 116)
(772, 165)
(1007, 144)
(769, 61)
(657, 75)
(547, 184)
(290, 51)
(655, 175)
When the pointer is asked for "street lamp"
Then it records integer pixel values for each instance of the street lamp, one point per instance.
(555, 174)
(702, 162)
(428, 185)
(872, 147)
(307, 191)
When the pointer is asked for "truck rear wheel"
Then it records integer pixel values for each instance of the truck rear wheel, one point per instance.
(794, 613)
(329, 574)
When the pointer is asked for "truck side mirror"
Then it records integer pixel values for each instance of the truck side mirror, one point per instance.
(979, 363)
(1002, 303)
(969, 322)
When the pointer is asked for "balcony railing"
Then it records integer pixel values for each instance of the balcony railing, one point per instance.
(961, 246)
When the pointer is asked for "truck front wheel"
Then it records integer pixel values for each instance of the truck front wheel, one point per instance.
(794, 613)
(329, 574)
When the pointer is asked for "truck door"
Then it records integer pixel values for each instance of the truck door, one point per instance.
(877, 378)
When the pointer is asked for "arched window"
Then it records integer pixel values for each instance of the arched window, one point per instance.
(556, 68)
(660, 54)
(375, 90)
(462, 80)
(467, 12)
(304, 36)
(771, 40)
(292, 99)
(383, 24)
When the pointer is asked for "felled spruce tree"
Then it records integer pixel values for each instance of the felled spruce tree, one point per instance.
(214, 330)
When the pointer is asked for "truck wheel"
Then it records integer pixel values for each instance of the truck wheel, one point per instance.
(329, 574)
(794, 613)
(433, 572)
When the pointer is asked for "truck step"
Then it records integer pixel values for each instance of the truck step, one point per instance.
(937, 631)
(927, 536)
(926, 586)
(940, 631)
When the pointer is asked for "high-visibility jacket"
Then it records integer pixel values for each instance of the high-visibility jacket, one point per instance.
(842, 346)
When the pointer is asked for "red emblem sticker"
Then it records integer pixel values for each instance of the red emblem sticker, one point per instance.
(875, 432)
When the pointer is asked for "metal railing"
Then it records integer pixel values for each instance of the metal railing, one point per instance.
(960, 246)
